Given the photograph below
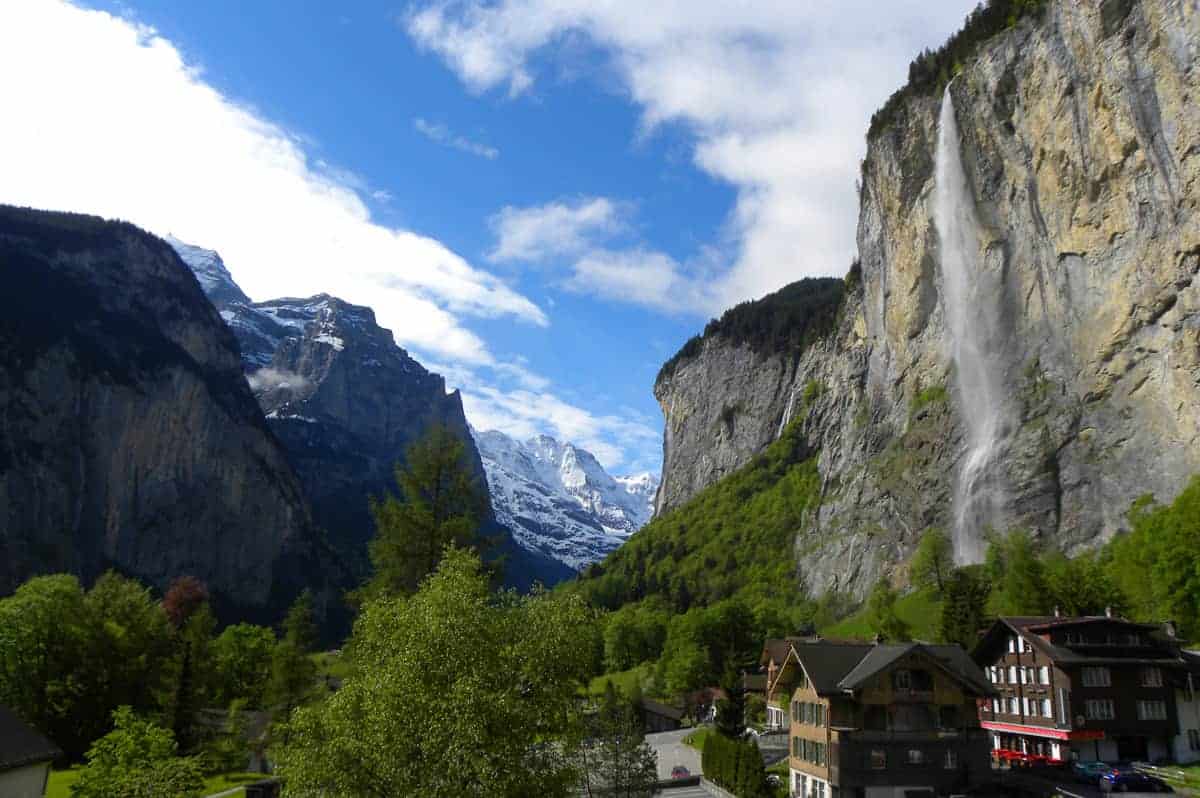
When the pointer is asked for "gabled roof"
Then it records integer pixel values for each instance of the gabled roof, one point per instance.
(952, 659)
(827, 662)
(21, 744)
(1030, 629)
(776, 649)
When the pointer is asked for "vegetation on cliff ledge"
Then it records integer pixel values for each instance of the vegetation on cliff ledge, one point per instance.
(930, 71)
(792, 318)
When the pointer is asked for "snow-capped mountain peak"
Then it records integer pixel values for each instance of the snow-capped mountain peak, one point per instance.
(559, 500)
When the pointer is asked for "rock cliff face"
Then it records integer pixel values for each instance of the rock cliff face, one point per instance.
(1080, 143)
(346, 401)
(128, 436)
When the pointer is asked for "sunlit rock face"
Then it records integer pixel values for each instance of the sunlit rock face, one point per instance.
(1077, 138)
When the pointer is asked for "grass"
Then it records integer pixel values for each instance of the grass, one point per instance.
(696, 739)
(59, 785)
(225, 781)
(331, 663)
(60, 782)
(920, 610)
(623, 681)
(1189, 782)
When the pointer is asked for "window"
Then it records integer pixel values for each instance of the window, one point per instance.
(1096, 677)
(1151, 677)
(1012, 645)
(1044, 674)
(1133, 639)
(1024, 674)
(1031, 707)
(1099, 709)
(1014, 707)
(950, 760)
(1047, 709)
(1152, 710)
(1025, 646)
(916, 756)
(1074, 638)
(1031, 675)
(818, 789)
(996, 705)
(878, 759)
(1012, 674)
(948, 717)
(902, 680)
(796, 747)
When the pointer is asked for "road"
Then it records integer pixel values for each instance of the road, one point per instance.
(671, 752)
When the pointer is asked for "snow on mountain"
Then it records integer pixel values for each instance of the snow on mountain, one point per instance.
(558, 500)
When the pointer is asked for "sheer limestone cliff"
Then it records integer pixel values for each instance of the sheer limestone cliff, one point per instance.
(128, 436)
(1080, 143)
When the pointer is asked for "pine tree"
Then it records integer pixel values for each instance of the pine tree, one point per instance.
(964, 607)
(293, 673)
(442, 502)
(731, 711)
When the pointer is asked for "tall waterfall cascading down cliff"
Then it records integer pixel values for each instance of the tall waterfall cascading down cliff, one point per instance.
(971, 303)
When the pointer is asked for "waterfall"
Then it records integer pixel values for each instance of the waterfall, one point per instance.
(971, 301)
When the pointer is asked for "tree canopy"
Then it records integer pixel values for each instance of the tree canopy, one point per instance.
(455, 691)
(443, 501)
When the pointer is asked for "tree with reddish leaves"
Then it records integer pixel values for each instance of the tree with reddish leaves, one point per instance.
(185, 595)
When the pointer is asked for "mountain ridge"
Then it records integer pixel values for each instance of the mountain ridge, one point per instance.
(558, 500)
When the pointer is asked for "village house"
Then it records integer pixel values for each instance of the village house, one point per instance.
(1088, 688)
(881, 720)
(775, 652)
(25, 757)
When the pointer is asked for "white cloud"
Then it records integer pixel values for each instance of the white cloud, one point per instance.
(777, 93)
(442, 135)
(554, 229)
(519, 402)
(104, 116)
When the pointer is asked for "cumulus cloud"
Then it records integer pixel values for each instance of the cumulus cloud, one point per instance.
(105, 116)
(442, 135)
(776, 93)
(511, 398)
(565, 227)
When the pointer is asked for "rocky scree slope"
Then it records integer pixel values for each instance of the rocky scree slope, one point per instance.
(128, 436)
(346, 402)
(557, 499)
(1079, 138)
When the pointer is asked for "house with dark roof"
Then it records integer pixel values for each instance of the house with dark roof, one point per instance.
(25, 757)
(873, 720)
(1085, 688)
(775, 652)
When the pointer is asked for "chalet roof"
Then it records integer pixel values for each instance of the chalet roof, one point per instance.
(21, 744)
(1031, 627)
(952, 658)
(827, 662)
(777, 648)
(754, 682)
(664, 710)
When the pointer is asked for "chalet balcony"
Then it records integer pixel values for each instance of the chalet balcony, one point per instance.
(909, 736)
(912, 695)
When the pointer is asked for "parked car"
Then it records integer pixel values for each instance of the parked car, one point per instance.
(1132, 781)
(680, 772)
(1090, 772)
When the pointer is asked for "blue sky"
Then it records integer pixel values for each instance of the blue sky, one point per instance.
(542, 198)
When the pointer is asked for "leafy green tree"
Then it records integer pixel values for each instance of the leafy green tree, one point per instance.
(614, 759)
(442, 502)
(241, 662)
(45, 636)
(881, 613)
(1157, 564)
(454, 692)
(933, 560)
(1081, 585)
(1015, 570)
(228, 749)
(964, 607)
(137, 759)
